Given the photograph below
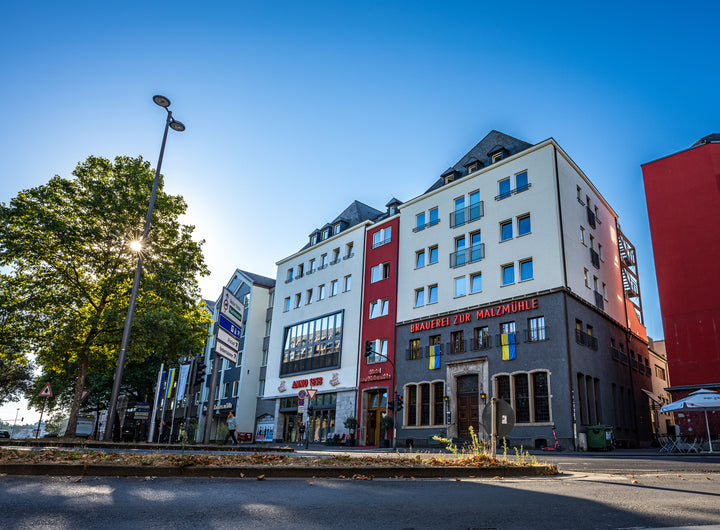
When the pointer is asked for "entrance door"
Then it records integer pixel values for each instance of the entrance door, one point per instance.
(376, 405)
(467, 405)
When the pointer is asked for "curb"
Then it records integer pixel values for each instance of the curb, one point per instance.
(85, 444)
(367, 472)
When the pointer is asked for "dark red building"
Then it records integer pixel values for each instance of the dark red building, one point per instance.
(683, 200)
(376, 383)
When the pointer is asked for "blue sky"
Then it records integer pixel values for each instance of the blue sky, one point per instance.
(293, 110)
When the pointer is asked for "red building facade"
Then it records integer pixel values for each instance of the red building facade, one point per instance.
(376, 373)
(683, 200)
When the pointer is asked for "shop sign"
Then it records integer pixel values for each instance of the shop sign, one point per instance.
(462, 318)
(302, 383)
(335, 379)
(282, 387)
(375, 374)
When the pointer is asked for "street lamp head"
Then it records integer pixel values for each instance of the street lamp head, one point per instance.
(162, 101)
(177, 126)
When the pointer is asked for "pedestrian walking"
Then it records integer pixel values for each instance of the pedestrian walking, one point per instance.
(232, 427)
(301, 434)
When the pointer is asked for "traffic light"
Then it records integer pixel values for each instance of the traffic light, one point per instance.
(398, 403)
(391, 405)
(369, 348)
(200, 373)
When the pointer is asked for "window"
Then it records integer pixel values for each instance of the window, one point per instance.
(526, 270)
(348, 250)
(419, 259)
(476, 209)
(236, 386)
(411, 400)
(434, 216)
(380, 272)
(457, 342)
(287, 304)
(379, 308)
(419, 297)
(604, 291)
(528, 394)
(380, 346)
(477, 251)
(309, 296)
(312, 345)
(587, 282)
(301, 270)
(579, 196)
(508, 274)
(600, 252)
(420, 222)
(460, 286)
(321, 292)
(298, 299)
(289, 275)
(589, 330)
(536, 329)
(327, 233)
(333, 288)
(459, 211)
(261, 388)
(504, 188)
(507, 328)
(660, 372)
(497, 157)
(323, 261)
(595, 284)
(582, 235)
(311, 266)
(432, 294)
(381, 237)
(313, 239)
(481, 338)
(225, 390)
(476, 283)
(459, 252)
(337, 228)
(433, 255)
(521, 182)
(506, 231)
(414, 351)
(335, 256)
(348, 283)
(523, 225)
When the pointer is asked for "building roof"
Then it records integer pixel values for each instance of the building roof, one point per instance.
(494, 141)
(714, 137)
(257, 279)
(356, 213)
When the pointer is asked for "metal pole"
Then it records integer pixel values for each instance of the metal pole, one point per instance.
(151, 434)
(133, 297)
(493, 427)
(42, 409)
(211, 399)
(14, 423)
(395, 411)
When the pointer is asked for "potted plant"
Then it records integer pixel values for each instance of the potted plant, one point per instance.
(386, 425)
(351, 424)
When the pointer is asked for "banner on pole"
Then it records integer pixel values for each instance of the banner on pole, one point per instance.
(182, 380)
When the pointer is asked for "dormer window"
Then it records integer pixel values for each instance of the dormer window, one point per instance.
(327, 233)
(472, 167)
(313, 239)
(496, 157)
(337, 228)
(449, 178)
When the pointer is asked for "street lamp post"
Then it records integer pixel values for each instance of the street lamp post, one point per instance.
(172, 123)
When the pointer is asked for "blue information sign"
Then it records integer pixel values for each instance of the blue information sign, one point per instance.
(229, 326)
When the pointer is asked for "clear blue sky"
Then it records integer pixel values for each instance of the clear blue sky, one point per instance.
(294, 109)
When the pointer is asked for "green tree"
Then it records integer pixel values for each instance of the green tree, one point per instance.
(16, 370)
(66, 245)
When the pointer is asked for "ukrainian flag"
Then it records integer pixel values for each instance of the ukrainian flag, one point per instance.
(434, 357)
(171, 379)
(508, 346)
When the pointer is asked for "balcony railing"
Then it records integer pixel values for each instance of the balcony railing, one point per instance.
(484, 343)
(430, 223)
(535, 334)
(467, 214)
(382, 242)
(586, 340)
(599, 301)
(456, 346)
(507, 194)
(595, 258)
(467, 255)
(590, 216)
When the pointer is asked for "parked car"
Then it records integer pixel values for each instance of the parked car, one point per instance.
(4, 434)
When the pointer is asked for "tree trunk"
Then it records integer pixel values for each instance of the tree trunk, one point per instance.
(77, 395)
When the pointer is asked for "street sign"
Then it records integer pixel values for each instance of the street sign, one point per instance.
(231, 307)
(311, 393)
(302, 394)
(228, 339)
(504, 419)
(84, 394)
(226, 351)
(228, 326)
(301, 402)
(46, 392)
(301, 409)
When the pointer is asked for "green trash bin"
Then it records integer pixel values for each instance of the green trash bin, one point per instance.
(600, 437)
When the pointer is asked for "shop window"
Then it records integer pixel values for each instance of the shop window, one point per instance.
(528, 393)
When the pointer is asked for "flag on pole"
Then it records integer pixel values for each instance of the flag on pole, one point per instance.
(508, 346)
(182, 380)
(160, 392)
(434, 357)
(171, 380)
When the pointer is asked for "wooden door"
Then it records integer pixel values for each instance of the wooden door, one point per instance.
(467, 405)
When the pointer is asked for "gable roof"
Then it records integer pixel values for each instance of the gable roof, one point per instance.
(257, 279)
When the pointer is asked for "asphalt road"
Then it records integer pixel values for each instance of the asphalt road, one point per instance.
(576, 500)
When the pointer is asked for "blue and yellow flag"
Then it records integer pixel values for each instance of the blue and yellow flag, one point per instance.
(508, 346)
(171, 380)
(434, 357)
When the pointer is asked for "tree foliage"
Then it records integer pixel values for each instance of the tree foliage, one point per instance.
(66, 245)
(16, 370)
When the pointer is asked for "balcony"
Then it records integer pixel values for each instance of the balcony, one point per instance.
(432, 222)
(514, 191)
(468, 255)
(382, 242)
(590, 216)
(595, 258)
(586, 340)
(599, 301)
(485, 343)
(467, 215)
(535, 335)
(456, 346)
